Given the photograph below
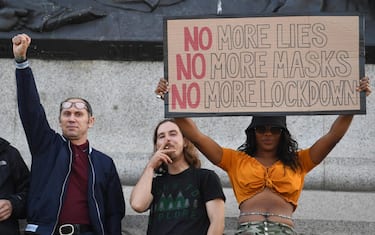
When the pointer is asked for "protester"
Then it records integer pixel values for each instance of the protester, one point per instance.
(183, 198)
(266, 172)
(14, 186)
(75, 189)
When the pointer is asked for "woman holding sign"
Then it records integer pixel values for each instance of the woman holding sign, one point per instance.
(266, 172)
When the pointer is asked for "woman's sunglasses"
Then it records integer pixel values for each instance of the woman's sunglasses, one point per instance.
(272, 129)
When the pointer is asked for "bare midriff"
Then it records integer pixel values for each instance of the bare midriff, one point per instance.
(267, 202)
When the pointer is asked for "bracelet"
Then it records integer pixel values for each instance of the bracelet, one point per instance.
(22, 65)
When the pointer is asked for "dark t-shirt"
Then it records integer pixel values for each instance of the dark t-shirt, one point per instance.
(179, 202)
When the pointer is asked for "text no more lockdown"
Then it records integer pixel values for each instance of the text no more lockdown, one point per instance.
(263, 93)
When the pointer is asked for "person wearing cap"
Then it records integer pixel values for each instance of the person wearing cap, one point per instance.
(267, 171)
(74, 189)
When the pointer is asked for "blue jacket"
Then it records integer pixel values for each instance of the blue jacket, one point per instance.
(51, 166)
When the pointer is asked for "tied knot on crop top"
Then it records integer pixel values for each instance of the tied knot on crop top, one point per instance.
(249, 177)
(268, 181)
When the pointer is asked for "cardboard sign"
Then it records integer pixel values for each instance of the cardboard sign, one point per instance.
(291, 65)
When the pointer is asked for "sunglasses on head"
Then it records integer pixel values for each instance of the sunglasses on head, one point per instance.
(77, 105)
(272, 129)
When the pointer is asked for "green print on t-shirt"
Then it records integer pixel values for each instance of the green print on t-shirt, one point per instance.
(180, 204)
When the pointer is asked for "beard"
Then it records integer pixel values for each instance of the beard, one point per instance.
(173, 156)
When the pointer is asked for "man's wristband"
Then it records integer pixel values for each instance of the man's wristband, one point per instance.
(22, 64)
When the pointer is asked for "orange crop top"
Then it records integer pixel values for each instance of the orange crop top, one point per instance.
(249, 177)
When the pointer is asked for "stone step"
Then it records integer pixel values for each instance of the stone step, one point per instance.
(318, 212)
(137, 225)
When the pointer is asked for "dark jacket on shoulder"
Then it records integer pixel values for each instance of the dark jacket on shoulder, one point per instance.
(14, 186)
